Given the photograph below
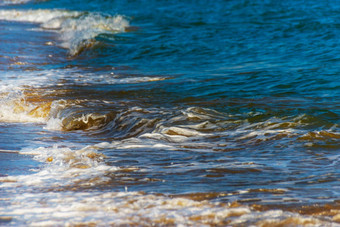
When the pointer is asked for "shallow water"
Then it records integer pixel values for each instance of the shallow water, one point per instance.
(183, 113)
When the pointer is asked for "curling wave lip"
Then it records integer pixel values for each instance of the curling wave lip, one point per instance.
(77, 30)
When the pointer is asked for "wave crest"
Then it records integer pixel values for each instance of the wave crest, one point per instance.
(77, 30)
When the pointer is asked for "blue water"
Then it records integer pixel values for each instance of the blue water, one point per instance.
(225, 101)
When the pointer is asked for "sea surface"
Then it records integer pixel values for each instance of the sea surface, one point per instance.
(169, 113)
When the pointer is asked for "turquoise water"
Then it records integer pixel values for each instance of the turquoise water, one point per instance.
(179, 113)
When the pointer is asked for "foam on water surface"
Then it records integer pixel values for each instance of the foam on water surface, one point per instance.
(197, 119)
(77, 30)
(14, 108)
(61, 203)
(135, 208)
(64, 167)
(59, 200)
(68, 171)
(13, 2)
(34, 96)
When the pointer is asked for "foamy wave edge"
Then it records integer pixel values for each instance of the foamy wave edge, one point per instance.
(77, 30)
(14, 2)
(55, 202)
(139, 209)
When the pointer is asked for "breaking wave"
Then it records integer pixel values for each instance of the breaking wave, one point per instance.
(77, 30)
(13, 2)
(139, 209)
(51, 201)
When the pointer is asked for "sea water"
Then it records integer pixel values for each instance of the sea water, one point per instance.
(169, 113)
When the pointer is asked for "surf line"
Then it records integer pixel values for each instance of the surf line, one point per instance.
(8, 151)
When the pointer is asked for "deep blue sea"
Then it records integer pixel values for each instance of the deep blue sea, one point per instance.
(169, 113)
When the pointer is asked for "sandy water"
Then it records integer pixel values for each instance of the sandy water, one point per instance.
(183, 114)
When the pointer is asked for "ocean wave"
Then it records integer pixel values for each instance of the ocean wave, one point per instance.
(64, 167)
(14, 2)
(15, 108)
(77, 30)
(139, 209)
(186, 126)
(60, 197)
(70, 176)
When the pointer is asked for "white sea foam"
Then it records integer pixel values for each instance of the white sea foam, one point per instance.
(64, 167)
(135, 208)
(14, 108)
(82, 78)
(14, 2)
(14, 81)
(77, 30)
(36, 16)
(58, 198)
(13, 90)
(135, 143)
(54, 124)
(15, 86)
